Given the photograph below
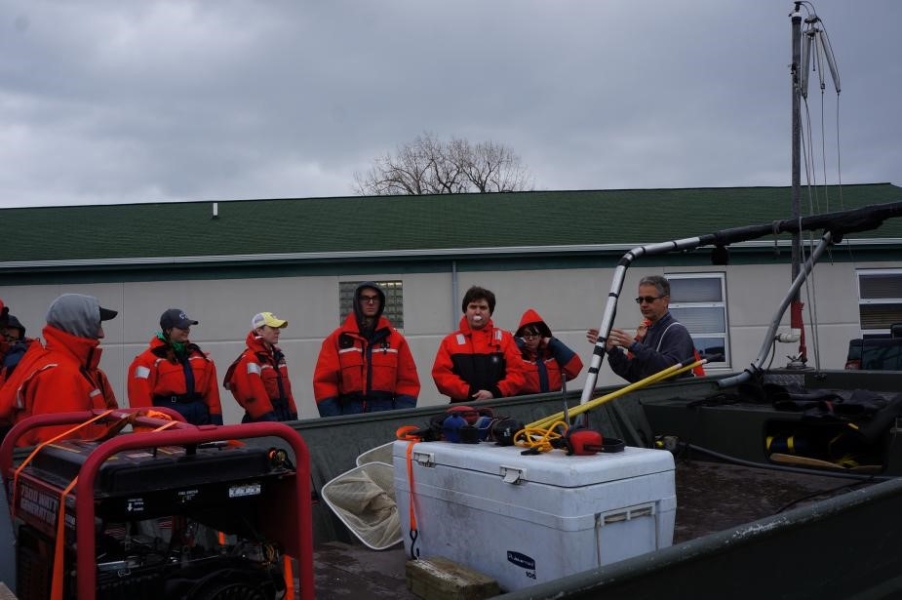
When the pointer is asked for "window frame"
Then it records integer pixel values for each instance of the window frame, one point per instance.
(721, 278)
(863, 302)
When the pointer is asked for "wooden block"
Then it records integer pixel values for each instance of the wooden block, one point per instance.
(438, 578)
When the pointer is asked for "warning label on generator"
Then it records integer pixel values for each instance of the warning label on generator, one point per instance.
(38, 507)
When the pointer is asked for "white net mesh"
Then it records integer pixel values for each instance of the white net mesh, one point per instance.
(364, 499)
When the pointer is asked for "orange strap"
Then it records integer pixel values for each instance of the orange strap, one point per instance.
(56, 582)
(40, 447)
(129, 419)
(288, 574)
(408, 433)
(414, 531)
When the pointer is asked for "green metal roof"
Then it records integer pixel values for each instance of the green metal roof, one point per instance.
(361, 224)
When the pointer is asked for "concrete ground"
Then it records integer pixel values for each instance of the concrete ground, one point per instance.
(354, 572)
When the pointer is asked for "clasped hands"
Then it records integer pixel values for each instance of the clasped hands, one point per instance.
(618, 337)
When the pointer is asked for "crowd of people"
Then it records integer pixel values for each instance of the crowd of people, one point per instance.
(365, 365)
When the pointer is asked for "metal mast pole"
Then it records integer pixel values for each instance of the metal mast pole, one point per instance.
(796, 311)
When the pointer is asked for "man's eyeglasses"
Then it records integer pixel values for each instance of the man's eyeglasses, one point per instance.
(369, 299)
(646, 299)
(526, 334)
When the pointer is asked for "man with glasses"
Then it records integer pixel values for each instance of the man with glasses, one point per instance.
(366, 364)
(665, 343)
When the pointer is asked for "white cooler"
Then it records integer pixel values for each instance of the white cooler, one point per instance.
(530, 519)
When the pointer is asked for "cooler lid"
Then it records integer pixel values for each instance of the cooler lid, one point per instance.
(553, 468)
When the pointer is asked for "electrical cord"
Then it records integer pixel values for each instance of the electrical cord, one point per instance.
(541, 439)
(739, 461)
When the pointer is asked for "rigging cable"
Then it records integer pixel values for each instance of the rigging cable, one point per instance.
(817, 49)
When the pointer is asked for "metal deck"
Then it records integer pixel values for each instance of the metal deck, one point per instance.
(711, 497)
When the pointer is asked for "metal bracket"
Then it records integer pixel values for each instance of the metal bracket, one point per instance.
(513, 475)
(424, 459)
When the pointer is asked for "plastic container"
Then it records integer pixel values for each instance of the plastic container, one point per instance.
(530, 519)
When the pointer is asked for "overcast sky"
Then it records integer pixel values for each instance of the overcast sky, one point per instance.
(125, 101)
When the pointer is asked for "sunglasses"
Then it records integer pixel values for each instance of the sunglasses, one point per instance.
(646, 299)
(369, 299)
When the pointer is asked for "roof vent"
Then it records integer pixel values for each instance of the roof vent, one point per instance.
(216, 210)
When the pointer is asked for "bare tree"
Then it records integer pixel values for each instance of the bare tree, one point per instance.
(428, 166)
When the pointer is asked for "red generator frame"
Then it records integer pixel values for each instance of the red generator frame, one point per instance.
(164, 467)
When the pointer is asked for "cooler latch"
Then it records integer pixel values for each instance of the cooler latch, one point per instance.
(512, 475)
(424, 459)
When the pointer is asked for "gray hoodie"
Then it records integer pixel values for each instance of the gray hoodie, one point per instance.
(78, 315)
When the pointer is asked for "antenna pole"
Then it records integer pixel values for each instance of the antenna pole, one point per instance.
(796, 308)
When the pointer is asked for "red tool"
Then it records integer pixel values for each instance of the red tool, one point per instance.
(583, 442)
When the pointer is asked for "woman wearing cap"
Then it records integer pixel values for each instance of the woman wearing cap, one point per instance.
(258, 379)
(547, 361)
(176, 373)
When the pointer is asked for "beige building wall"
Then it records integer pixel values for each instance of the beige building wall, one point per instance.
(570, 300)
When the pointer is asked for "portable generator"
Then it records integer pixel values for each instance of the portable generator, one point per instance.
(173, 511)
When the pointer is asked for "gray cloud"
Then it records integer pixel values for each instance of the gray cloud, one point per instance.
(116, 102)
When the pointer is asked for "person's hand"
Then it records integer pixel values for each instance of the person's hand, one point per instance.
(592, 336)
(619, 337)
(483, 395)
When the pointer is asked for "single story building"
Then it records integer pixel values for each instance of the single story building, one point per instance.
(555, 251)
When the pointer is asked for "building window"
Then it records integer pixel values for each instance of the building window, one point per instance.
(698, 301)
(394, 300)
(879, 300)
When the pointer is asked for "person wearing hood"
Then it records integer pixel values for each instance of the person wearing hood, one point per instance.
(16, 345)
(547, 361)
(366, 364)
(478, 361)
(258, 378)
(63, 375)
(4, 318)
(176, 373)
